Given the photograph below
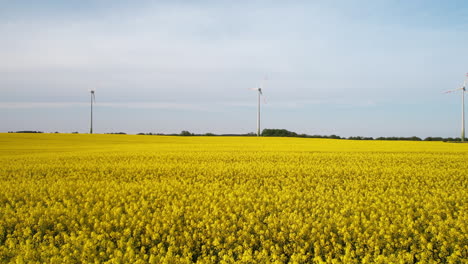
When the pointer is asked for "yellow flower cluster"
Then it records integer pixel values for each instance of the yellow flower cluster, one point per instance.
(158, 199)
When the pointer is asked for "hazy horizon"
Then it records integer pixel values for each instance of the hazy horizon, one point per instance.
(349, 68)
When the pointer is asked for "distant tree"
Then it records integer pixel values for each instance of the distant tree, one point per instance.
(361, 138)
(28, 131)
(278, 133)
(185, 133)
(400, 138)
(317, 136)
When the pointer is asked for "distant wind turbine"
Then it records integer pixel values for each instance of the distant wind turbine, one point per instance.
(260, 94)
(93, 100)
(463, 89)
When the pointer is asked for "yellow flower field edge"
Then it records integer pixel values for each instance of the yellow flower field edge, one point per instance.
(159, 199)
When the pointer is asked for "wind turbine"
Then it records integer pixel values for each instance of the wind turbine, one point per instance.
(463, 89)
(93, 100)
(260, 94)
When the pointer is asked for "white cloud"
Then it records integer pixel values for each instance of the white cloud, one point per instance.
(35, 105)
(205, 106)
(135, 105)
(203, 55)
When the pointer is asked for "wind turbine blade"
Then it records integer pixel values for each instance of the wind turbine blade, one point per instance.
(262, 84)
(451, 91)
(93, 96)
(253, 89)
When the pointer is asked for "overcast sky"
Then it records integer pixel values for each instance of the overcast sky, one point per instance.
(369, 68)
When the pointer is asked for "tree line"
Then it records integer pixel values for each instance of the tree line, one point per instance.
(268, 132)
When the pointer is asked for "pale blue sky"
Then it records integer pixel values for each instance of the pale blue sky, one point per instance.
(370, 68)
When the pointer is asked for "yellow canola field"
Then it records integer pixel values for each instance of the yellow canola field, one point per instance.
(160, 199)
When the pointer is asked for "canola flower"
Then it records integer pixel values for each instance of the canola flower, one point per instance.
(160, 199)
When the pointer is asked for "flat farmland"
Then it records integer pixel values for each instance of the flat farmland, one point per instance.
(71, 198)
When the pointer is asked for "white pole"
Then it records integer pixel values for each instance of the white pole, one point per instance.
(258, 115)
(91, 128)
(463, 115)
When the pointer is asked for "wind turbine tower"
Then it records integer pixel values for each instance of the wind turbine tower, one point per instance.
(93, 100)
(260, 94)
(258, 111)
(463, 90)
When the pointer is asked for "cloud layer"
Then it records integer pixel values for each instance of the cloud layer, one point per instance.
(202, 55)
